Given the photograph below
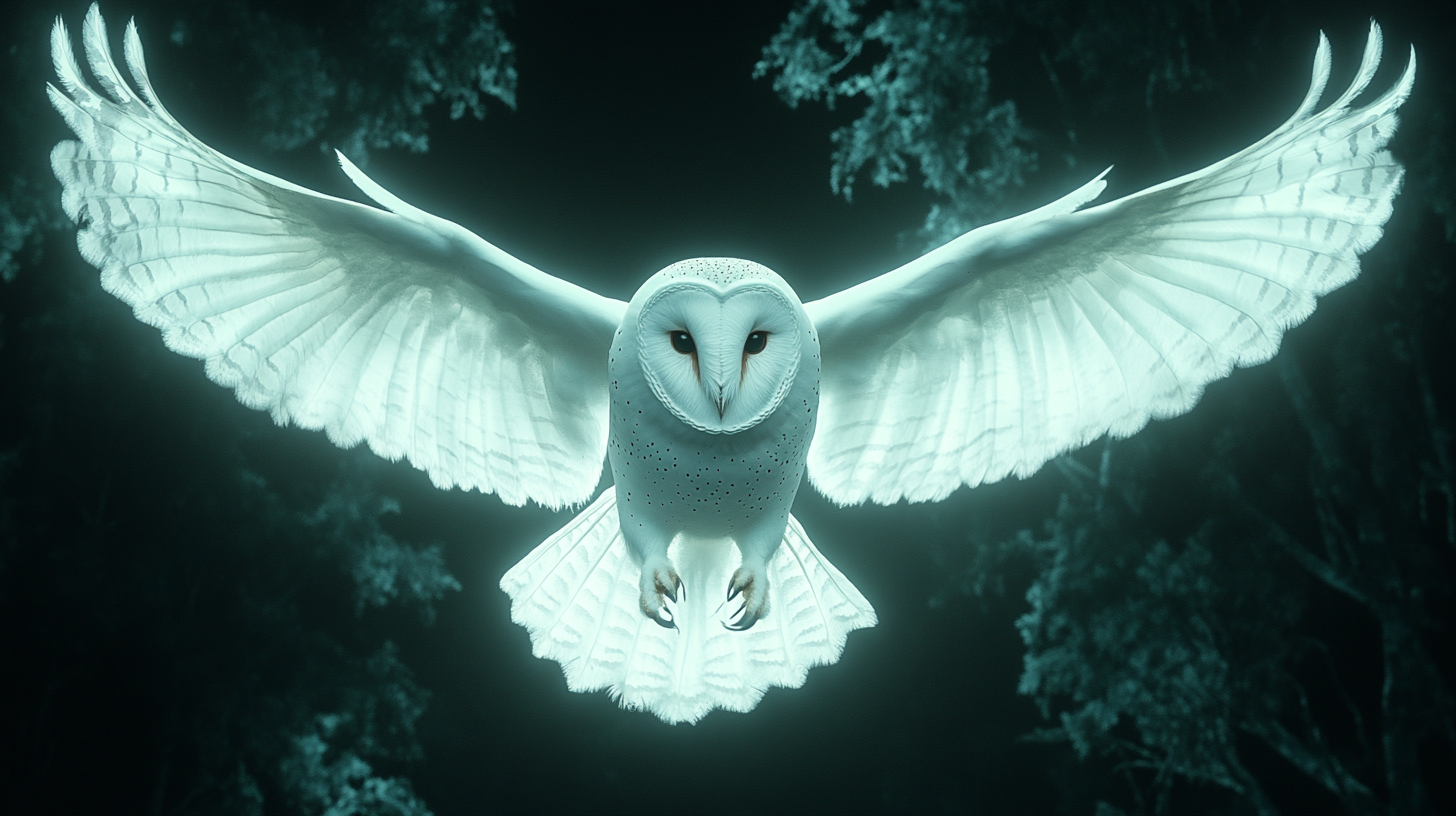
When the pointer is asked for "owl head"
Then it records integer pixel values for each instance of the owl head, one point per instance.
(719, 341)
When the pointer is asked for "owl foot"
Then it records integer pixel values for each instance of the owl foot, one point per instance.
(659, 581)
(748, 583)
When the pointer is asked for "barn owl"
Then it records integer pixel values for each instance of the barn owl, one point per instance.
(688, 585)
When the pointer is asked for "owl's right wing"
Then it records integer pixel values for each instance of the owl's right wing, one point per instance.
(392, 327)
(1026, 338)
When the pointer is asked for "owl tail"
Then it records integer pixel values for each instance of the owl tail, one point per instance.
(577, 595)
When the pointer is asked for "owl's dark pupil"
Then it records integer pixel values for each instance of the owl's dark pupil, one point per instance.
(756, 342)
(682, 342)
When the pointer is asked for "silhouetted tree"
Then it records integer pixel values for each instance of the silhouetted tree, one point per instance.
(196, 621)
(1180, 588)
(931, 104)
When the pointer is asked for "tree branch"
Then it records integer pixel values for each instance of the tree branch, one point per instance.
(1440, 438)
(1316, 566)
(1398, 712)
(1343, 480)
(1322, 766)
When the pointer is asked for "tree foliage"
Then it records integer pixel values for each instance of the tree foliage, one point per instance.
(923, 69)
(367, 87)
(928, 102)
(201, 630)
(194, 626)
(1179, 594)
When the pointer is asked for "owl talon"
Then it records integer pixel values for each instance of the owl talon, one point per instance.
(663, 618)
(754, 591)
(660, 583)
(744, 623)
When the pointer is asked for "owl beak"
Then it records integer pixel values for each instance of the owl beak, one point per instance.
(720, 397)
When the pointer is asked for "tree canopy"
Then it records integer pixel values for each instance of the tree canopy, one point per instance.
(1166, 642)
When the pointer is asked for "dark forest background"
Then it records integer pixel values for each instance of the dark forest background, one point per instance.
(1243, 610)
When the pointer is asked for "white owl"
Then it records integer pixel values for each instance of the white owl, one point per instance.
(688, 585)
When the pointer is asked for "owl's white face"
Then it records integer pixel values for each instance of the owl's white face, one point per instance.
(720, 361)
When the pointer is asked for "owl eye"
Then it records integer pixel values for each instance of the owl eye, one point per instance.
(756, 342)
(682, 342)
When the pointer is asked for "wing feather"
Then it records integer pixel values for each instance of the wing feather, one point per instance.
(394, 328)
(1028, 337)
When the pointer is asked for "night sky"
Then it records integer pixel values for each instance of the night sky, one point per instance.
(639, 138)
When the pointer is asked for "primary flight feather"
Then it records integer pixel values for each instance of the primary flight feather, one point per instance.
(687, 585)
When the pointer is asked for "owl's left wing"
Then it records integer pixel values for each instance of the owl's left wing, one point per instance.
(387, 326)
(1031, 336)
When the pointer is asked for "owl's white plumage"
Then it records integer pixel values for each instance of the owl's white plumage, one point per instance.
(578, 596)
(398, 328)
(1025, 338)
(986, 357)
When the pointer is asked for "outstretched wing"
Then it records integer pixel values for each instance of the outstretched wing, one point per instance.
(396, 328)
(1025, 338)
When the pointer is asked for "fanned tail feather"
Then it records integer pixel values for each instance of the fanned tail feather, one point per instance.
(577, 595)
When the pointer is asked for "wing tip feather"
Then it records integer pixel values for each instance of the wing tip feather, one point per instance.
(1369, 62)
(63, 59)
(136, 62)
(96, 43)
(1319, 79)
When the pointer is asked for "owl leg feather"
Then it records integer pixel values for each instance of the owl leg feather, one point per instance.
(578, 595)
(750, 580)
(659, 580)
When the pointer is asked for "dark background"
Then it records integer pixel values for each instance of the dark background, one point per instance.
(139, 497)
